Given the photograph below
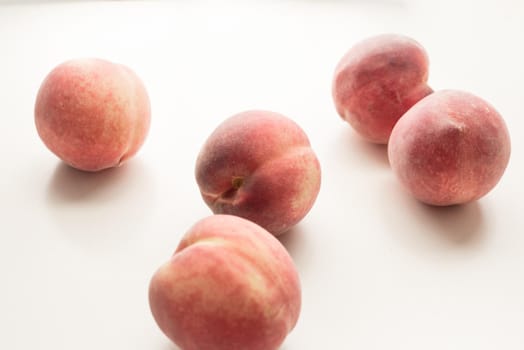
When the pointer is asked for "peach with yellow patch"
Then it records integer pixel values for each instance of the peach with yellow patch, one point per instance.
(259, 165)
(230, 285)
(93, 114)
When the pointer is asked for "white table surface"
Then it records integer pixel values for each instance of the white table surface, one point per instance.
(378, 269)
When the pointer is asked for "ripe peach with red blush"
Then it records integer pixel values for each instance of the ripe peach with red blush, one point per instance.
(230, 285)
(93, 114)
(259, 165)
(377, 81)
(452, 147)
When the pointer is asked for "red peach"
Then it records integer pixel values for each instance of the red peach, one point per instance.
(450, 148)
(91, 113)
(377, 81)
(230, 285)
(259, 165)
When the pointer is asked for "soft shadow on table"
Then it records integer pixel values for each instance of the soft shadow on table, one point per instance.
(363, 151)
(297, 243)
(70, 185)
(170, 346)
(20, 2)
(380, 2)
(453, 227)
(458, 224)
(103, 208)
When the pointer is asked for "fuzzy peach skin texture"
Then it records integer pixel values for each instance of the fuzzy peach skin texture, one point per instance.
(93, 114)
(230, 285)
(259, 165)
(377, 81)
(450, 148)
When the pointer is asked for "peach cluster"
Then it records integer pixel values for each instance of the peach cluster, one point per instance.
(230, 284)
(446, 147)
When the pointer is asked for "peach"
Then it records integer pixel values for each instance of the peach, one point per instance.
(230, 285)
(450, 148)
(377, 81)
(259, 165)
(91, 113)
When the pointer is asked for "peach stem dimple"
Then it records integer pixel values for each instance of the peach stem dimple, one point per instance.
(236, 183)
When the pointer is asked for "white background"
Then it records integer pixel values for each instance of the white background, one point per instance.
(378, 269)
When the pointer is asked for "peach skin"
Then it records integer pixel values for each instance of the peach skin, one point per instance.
(230, 285)
(452, 147)
(377, 81)
(259, 165)
(93, 114)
